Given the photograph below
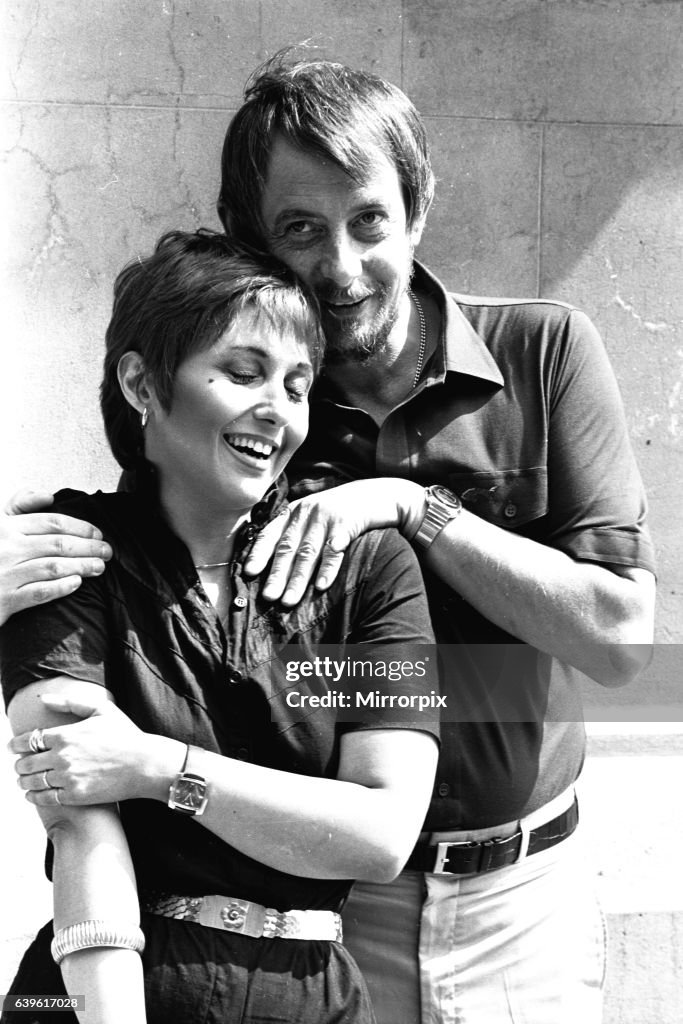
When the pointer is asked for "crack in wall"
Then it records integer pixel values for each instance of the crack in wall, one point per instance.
(654, 326)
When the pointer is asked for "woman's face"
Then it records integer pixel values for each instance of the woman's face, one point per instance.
(238, 413)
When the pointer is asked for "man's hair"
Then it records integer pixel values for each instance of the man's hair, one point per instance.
(343, 115)
(180, 300)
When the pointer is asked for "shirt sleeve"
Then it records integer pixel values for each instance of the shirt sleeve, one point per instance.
(65, 637)
(597, 506)
(393, 641)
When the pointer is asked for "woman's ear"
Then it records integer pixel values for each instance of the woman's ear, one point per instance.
(133, 381)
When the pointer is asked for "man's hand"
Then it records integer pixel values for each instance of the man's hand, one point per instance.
(43, 555)
(312, 539)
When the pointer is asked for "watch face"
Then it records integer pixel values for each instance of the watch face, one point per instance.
(189, 793)
(445, 496)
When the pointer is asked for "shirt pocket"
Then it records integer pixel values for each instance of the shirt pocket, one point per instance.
(510, 499)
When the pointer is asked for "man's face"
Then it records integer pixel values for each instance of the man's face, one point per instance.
(348, 241)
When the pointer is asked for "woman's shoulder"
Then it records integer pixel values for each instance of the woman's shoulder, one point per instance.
(380, 547)
(115, 513)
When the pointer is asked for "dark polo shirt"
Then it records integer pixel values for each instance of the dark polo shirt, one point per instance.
(519, 413)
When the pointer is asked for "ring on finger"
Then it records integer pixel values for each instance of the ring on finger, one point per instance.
(46, 782)
(36, 742)
(56, 793)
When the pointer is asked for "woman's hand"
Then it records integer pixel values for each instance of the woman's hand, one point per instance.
(102, 759)
(320, 527)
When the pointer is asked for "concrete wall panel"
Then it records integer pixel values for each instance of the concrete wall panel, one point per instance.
(612, 238)
(482, 232)
(557, 60)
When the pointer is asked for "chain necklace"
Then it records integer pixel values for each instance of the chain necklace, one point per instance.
(423, 337)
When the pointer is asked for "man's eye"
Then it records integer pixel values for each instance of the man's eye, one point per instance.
(299, 227)
(370, 219)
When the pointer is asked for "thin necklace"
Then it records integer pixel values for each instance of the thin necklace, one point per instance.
(423, 337)
(213, 565)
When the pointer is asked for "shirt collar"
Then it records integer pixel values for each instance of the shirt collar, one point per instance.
(461, 350)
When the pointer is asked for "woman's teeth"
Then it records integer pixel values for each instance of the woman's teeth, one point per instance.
(259, 449)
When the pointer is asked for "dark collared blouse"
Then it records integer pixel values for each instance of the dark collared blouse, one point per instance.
(147, 631)
(518, 412)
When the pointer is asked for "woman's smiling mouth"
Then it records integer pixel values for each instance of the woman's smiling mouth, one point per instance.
(251, 446)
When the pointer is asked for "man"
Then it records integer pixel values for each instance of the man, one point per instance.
(533, 544)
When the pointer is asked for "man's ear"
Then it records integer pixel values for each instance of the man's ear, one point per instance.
(416, 231)
(133, 381)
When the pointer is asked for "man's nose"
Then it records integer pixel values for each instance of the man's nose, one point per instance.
(341, 261)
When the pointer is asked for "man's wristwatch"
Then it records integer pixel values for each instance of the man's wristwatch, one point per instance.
(442, 506)
(188, 792)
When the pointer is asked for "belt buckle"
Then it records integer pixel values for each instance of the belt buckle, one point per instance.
(442, 854)
(234, 915)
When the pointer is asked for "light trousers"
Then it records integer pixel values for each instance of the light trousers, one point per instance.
(524, 944)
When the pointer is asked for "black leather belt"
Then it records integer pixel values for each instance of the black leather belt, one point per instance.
(473, 858)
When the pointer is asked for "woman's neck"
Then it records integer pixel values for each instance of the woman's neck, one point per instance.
(209, 534)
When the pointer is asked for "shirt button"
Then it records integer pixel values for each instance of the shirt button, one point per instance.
(243, 754)
(240, 602)
(444, 789)
(510, 510)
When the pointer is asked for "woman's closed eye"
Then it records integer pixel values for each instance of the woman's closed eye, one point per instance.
(298, 392)
(243, 376)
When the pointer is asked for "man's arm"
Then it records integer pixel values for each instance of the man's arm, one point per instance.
(598, 619)
(44, 555)
(586, 614)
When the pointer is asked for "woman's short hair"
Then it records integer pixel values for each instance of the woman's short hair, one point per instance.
(179, 301)
(339, 113)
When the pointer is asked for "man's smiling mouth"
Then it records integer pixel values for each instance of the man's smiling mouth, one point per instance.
(250, 446)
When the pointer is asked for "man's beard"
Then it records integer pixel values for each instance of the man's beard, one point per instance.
(356, 341)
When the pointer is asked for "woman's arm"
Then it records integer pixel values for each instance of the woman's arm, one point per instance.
(362, 824)
(93, 877)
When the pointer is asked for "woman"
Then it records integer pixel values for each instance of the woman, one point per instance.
(183, 675)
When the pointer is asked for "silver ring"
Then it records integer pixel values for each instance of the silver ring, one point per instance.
(46, 781)
(36, 742)
(56, 793)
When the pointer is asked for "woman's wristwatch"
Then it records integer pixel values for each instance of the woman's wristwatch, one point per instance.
(442, 506)
(188, 792)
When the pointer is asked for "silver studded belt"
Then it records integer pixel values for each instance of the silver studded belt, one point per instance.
(245, 918)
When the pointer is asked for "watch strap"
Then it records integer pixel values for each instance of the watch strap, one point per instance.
(185, 777)
(436, 516)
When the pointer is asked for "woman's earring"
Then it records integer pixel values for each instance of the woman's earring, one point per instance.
(144, 417)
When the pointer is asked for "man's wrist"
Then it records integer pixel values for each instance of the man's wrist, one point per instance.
(442, 507)
(412, 506)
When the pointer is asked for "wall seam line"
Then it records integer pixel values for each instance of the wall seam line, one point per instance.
(539, 213)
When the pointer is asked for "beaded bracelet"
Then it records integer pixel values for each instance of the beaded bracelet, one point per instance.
(89, 934)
